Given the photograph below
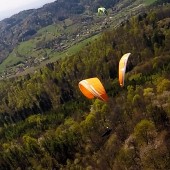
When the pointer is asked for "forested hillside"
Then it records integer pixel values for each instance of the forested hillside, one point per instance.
(46, 123)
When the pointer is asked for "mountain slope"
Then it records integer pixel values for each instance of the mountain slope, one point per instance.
(22, 26)
(32, 36)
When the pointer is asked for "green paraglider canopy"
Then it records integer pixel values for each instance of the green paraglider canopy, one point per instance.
(102, 10)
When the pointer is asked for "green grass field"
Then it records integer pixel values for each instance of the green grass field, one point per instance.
(54, 56)
(70, 51)
(31, 48)
(55, 29)
(26, 47)
(149, 2)
(11, 61)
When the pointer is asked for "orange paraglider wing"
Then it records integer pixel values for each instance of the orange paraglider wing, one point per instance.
(122, 68)
(92, 87)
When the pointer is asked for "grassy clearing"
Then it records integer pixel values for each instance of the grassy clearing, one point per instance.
(44, 35)
(149, 2)
(72, 50)
(18, 55)
(54, 56)
(68, 22)
(54, 29)
(10, 62)
(26, 47)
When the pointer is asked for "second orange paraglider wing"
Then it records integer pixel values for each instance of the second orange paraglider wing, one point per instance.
(122, 68)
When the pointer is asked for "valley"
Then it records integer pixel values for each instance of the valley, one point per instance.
(65, 38)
